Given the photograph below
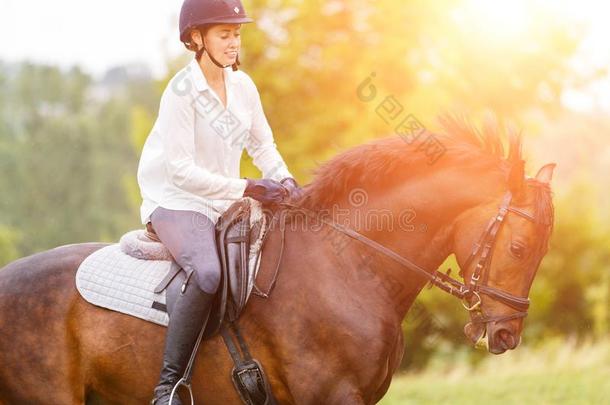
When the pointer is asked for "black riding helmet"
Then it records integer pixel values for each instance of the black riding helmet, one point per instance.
(196, 14)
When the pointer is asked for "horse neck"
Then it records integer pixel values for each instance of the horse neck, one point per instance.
(422, 214)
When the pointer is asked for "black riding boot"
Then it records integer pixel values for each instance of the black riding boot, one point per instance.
(190, 313)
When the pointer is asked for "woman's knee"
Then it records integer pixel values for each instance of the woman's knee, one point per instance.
(208, 275)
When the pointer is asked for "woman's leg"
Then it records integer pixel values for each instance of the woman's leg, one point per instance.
(190, 238)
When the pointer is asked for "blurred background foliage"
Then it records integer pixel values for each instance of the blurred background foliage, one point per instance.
(70, 142)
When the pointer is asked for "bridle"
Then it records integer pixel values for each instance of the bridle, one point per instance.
(478, 281)
(477, 284)
(484, 248)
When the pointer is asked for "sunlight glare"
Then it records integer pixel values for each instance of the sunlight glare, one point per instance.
(495, 19)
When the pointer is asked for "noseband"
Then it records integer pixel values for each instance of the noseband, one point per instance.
(478, 281)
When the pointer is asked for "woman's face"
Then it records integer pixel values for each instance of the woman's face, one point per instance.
(223, 41)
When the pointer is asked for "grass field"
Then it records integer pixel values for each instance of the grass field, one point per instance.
(555, 373)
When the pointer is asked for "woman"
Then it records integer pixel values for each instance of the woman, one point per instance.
(189, 168)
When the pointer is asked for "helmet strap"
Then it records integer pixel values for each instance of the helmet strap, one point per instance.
(199, 53)
(201, 50)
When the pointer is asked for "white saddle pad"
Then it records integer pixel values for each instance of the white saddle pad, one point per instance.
(111, 279)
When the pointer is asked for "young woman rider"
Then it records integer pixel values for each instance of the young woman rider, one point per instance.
(189, 168)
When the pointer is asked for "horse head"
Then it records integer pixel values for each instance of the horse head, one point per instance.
(499, 257)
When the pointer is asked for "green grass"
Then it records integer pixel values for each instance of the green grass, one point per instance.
(555, 373)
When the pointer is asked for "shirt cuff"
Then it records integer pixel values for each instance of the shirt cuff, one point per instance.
(281, 174)
(237, 187)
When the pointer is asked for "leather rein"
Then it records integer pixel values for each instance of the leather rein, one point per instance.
(477, 284)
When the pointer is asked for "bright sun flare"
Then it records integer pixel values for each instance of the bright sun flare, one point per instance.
(496, 19)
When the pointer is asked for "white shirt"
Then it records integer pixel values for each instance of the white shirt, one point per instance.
(190, 160)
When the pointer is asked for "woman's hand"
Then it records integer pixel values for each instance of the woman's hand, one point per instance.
(266, 191)
(294, 191)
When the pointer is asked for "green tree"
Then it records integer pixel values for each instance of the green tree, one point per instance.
(65, 156)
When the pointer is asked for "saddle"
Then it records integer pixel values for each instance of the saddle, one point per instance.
(239, 237)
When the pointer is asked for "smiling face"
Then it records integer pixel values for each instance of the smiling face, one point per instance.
(223, 41)
(520, 245)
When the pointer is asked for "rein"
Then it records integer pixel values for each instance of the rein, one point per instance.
(484, 248)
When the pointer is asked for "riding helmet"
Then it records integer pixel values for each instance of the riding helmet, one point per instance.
(196, 13)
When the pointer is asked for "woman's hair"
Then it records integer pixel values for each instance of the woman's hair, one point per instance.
(191, 45)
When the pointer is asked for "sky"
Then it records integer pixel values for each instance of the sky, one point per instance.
(98, 35)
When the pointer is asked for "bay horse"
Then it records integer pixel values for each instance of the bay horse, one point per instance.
(330, 332)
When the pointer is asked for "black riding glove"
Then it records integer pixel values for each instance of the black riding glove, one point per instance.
(266, 191)
(294, 191)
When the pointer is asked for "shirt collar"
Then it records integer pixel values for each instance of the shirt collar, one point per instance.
(199, 79)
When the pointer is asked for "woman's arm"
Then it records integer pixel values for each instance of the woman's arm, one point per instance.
(177, 126)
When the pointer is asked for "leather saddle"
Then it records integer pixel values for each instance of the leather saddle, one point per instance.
(234, 237)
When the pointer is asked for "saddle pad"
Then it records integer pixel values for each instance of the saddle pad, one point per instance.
(256, 244)
(111, 279)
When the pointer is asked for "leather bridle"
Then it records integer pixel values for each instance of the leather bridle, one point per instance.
(477, 284)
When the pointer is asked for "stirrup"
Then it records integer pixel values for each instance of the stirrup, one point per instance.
(183, 381)
(180, 382)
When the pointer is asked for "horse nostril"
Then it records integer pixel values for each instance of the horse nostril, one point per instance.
(506, 339)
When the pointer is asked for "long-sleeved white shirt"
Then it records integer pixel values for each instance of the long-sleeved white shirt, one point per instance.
(191, 158)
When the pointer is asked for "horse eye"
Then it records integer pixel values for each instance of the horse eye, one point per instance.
(517, 250)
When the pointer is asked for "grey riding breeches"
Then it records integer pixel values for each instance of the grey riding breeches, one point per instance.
(190, 238)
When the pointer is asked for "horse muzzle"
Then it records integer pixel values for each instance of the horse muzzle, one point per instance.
(502, 338)
(495, 338)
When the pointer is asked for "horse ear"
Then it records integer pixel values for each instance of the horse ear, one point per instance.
(545, 174)
(516, 177)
